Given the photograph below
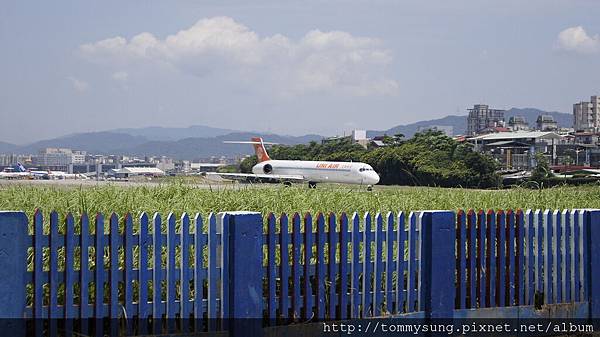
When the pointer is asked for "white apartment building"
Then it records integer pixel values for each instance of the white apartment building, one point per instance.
(586, 115)
(54, 157)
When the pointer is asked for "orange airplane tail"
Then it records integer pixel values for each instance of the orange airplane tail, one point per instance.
(259, 148)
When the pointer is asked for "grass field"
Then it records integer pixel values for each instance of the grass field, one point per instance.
(181, 197)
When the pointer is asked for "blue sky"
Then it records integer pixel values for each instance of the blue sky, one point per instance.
(298, 67)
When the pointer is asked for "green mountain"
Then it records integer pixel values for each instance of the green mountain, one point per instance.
(163, 133)
(186, 148)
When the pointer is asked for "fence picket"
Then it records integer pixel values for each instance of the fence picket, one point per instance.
(222, 263)
(38, 265)
(53, 310)
(184, 278)
(213, 276)
(378, 268)
(332, 266)
(296, 267)
(308, 254)
(400, 265)
(99, 275)
(481, 257)
(389, 263)
(143, 274)
(114, 306)
(343, 239)
(69, 309)
(412, 263)
(355, 284)
(284, 266)
(461, 289)
(491, 258)
(578, 250)
(566, 257)
(171, 308)
(320, 277)
(157, 277)
(501, 258)
(367, 295)
(510, 257)
(519, 258)
(471, 258)
(529, 261)
(272, 268)
(557, 257)
(539, 259)
(128, 286)
(547, 247)
(584, 223)
(84, 270)
(200, 241)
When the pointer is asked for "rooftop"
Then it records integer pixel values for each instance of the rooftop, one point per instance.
(518, 135)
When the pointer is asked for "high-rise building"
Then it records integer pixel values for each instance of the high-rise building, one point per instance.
(518, 123)
(546, 123)
(586, 115)
(482, 117)
(54, 157)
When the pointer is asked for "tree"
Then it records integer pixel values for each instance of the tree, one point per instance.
(542, 169)
(247, 164)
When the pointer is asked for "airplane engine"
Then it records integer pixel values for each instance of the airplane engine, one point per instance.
(267, 168)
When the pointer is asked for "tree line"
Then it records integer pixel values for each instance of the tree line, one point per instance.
(428, 159)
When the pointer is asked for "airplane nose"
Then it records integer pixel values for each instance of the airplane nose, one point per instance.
(373, 178)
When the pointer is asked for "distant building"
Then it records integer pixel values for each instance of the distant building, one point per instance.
(360, 137)
(586, 115)
(518, 123)
(546, 123)
(357, 136)
(482, 117)
(54, 157)
(78, 157)
(448, 130)
(516, 150)
(494, 129)
(591, 138)
(12, 159)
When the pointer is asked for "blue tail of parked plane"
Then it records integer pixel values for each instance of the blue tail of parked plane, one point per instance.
(20, 167)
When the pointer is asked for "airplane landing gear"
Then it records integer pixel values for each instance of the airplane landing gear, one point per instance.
(287, 183)
(369, 188)
(312, 184)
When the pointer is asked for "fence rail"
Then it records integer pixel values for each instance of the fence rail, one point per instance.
(149, 275)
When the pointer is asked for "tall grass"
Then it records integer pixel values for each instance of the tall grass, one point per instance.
(179, 198)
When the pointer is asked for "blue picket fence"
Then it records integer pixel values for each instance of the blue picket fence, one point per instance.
(285, 269)
(357, 267)
(536, 253)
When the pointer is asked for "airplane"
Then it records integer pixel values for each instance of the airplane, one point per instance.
(15, 173)
(20, 172)
(298, 171)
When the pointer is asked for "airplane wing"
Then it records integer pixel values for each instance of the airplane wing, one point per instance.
(256, 177)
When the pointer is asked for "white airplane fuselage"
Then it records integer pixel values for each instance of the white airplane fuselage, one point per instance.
(320, 171)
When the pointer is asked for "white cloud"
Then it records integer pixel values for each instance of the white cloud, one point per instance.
(576, 39)
(333, 61)
(78, 85)
(120, 76)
